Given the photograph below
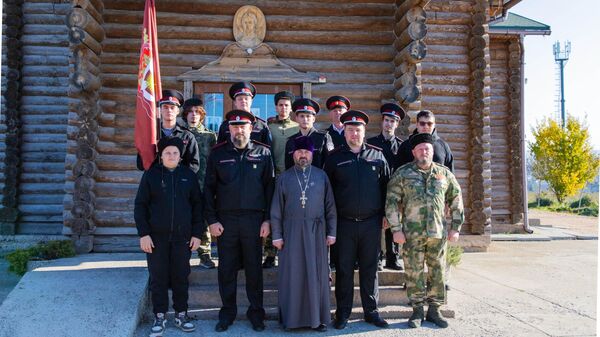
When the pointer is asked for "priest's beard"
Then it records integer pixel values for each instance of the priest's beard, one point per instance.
(303, 162)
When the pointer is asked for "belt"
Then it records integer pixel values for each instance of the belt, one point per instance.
(356, 219)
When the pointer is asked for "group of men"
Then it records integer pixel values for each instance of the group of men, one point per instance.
(323, 196)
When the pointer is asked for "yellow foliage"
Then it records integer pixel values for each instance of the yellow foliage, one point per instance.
(564, 157)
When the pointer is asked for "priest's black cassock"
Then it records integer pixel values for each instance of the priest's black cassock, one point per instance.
(303, 280)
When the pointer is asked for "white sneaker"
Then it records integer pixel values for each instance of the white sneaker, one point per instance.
(182, 321)
(158, 328)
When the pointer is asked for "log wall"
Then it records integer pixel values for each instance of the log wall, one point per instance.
(446, 77)
(507, 189)
(354, 50)
(43, 112)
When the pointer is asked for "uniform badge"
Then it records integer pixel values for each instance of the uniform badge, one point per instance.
(440, 177)
(254, 166)
(374, 168)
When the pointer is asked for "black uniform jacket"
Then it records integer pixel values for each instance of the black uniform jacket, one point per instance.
(238, 180)
(321, 142)
(359, 181)
(441, 152)
(260, 132)
(169, 204)
(190, 157)
(390, 149)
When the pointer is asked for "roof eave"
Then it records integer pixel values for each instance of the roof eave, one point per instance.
(519, 32)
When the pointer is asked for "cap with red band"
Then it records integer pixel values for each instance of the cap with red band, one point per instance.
(338, 102)
(306, 105)
(354, 117)
(170, 96)
(237, 117)
(242, 88)
(392, 110)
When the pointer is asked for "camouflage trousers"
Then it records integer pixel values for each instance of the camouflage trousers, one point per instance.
(270, 250)
(418, 251)
(204, 243)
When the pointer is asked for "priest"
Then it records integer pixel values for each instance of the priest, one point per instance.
(303, 222)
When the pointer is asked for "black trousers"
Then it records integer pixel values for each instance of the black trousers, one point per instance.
(241, 241)
(391, 248)
(357, 241)
(169, 266)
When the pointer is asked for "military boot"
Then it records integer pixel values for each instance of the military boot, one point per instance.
(435, 316)
(416, 318)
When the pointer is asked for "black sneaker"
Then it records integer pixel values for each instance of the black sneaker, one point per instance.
(182, 321)
(158, 328)
(206, 262)
(269, 262)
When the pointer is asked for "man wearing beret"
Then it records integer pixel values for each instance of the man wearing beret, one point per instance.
(417, 196)
(238, 189)
(168, 217)
(306, 111)
(441, 151)
(391, 115)
(337, 106)
(281, 127)
(194, 114)
(242, 94)
(359, 174)
(169, 106)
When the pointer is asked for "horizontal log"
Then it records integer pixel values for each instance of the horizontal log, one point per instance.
(40, 199)
(268, 8)
(80, 18)
(38, 188)
(116, 162)
(38, 29)
(43, 138)
(353, 91)
(437, 28)
(46, 19)
(45, 7)
(44, 157)
(125, 177)
(42, 178)
(445, 79)
(60, 60)
(35, 90)
(44, 50)
(455, 6)
(40, 209)
(115, 204)
(445, 90)
(116, 134)
(113, 218)
(447, 18)
(431, 68)
(45, 40)
(166, 59)
(119, 190)
(274, 22)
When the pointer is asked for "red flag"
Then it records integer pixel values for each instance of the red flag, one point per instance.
(149, 89)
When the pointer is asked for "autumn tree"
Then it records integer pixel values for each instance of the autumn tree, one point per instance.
(564, 156)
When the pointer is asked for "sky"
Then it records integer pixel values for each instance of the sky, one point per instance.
(575, 21)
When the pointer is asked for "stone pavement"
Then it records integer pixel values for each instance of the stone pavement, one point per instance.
(515, 289)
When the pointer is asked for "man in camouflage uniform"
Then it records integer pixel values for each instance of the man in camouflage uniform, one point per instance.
(194, 113)
(281, 127)
(417, 196)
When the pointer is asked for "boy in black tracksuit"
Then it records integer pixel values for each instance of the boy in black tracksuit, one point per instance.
(168, 216)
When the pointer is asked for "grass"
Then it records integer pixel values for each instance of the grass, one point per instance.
(549, 203)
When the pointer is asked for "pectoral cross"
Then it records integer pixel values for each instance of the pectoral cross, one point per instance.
(303, 199)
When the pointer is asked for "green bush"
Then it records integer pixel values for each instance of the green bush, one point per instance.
(544, 202)
(586, 201)
(592, 210)
(454, 255)
(43, 251)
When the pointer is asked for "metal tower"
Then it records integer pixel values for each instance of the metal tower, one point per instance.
(561, 56)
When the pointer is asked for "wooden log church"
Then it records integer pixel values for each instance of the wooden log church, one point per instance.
(69, 79)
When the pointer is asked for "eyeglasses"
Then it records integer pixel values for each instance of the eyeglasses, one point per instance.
(426, 123)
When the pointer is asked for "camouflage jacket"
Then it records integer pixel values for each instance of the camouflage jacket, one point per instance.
(206, 139)
(416, 200)
(281, 130)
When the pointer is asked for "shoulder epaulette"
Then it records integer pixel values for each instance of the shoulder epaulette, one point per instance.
(219, 145)
(259, 119)
(374, 147)
(259, 143)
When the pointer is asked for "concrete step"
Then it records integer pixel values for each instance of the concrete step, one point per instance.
(201, 276)
(272, 312)
(207, 297)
